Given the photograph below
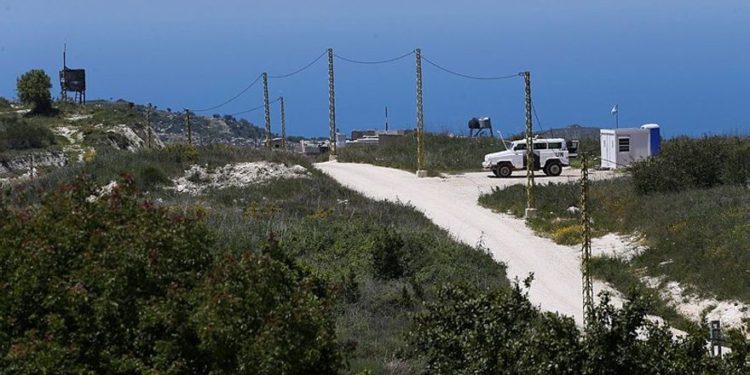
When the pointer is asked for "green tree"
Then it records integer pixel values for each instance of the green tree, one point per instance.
(500, 332)
(33, 88)
(494, 332)
(4, 103)
(112, 284)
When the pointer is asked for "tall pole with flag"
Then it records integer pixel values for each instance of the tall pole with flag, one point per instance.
(616, 113)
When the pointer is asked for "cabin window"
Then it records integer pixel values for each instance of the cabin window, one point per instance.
(555, 146)
(540, 146)
(520, 146)
(624, 144)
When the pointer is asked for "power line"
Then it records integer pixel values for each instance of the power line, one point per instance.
(252, 109)
(467, 75)
(301, 69)
(533, 108)
(376, 61)
(232, 98)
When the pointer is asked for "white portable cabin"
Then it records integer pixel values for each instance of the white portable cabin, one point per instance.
(620, 147)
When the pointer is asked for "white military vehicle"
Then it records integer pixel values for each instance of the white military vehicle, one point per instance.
(550, 155)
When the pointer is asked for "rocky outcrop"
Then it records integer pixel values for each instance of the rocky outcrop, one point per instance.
(24, 163)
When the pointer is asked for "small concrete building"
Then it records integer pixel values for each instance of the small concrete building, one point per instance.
(621, 147)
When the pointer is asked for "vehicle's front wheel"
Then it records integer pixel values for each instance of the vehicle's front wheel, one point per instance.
(503, 170)
(553, 169)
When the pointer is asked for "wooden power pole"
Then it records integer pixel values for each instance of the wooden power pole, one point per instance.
(588, 289)
(530, 202)
(283, 124)
(421, 167)
(331, 107)
(267, 108)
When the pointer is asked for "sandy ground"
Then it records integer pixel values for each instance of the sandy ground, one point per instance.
(451, 203)
(731, 313)
(197, 178)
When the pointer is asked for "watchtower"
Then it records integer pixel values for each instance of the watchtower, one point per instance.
(72, 80)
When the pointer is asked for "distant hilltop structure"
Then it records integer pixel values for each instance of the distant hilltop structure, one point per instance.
(72, 80)
(573, 131)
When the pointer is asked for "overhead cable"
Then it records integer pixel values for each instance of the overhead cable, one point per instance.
(466, 75)
(232, 98)
(539, 123)
(301, 69)
(254, 108)
(376, 61)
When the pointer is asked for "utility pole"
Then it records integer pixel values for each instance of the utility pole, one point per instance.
(588, 289)
(148, 127)
(421, 171)
(187, 125)
(530, 202)
(331, 107)
(267, 107)
(283, 124)
(386, 119)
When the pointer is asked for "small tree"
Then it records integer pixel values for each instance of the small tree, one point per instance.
(4, 103)
(33, 88)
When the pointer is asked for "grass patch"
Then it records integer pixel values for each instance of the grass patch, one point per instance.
(443, 154)
(697, 236)
(624, 277)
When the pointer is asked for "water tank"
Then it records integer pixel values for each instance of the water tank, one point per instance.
(474, 123)
(485, 123)
(654, 137)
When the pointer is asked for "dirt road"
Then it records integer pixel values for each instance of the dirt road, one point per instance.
(451, 203)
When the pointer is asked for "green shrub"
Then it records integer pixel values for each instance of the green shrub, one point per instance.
(33, 88)
(19, 135)
(500, 332)
(4, 103)
(686, 163)
(117, 285)
(181, 153)
(387, 255)
(150, 177)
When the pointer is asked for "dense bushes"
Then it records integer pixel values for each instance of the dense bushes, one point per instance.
(19, 135)
(500, 332)
(116, 285)
(686, 163)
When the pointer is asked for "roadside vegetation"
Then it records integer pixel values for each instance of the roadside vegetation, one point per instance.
(501, 332)
(375, 262)
(443, 153)
(690, 206)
